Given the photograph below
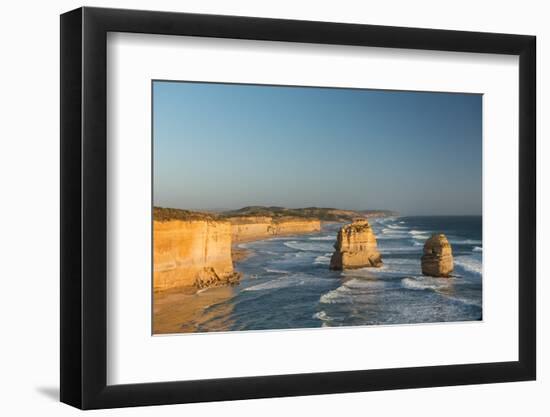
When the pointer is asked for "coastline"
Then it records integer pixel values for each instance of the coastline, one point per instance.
(198, 253)
(240, 254)
(288, 284)
(177, 311)
(294, 273)
(174, 308)
(198, 250)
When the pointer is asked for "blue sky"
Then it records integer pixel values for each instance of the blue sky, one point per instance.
(225, 146)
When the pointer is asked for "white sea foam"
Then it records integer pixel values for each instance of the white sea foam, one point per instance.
(323, 238)
(438, 285)
(392, 231)
(465, 241)
(323, 259)
(425, 283)
(477, 249)
(351, 291)
(396, 227)
(288, 281)
(463, 300)
(322, 315)
(391, 234)
(276, 271)
(337, 296)
(271, 285)
(308, 246)
(420, 235)
(469, 264)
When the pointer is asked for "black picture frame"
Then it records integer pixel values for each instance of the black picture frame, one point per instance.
(84, 207)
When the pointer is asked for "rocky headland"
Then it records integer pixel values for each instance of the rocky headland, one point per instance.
(249, 228)
(356, 247)
(194, 250)
(437, 259)
(192, 254)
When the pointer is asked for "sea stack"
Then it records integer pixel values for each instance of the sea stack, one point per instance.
(355, 247)
(437, 260)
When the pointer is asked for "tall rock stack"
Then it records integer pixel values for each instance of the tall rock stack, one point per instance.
(437, 260)
(355, 247)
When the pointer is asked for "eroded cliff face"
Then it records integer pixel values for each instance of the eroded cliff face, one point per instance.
(252, 228)
(437, 260)
(194, 250)
(355, 247)
(192, 253)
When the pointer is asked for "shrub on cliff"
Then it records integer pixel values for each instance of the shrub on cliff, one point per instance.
(162, 214)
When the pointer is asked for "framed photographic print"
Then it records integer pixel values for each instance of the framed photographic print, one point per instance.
(257, 207)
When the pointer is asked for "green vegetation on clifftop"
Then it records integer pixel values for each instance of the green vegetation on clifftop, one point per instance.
(162, 214)
(275, 212)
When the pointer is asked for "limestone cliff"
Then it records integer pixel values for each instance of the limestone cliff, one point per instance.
(193, 250)
(248, 228)
(437, 260)
(192, 253)
(355, 247)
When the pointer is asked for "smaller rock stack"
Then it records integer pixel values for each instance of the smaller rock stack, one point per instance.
(355, 247)
(437, 260)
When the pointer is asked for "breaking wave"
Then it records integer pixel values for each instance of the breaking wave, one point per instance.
(419, 235)
(323, 259)
(308, 246)
(289, 281)
(426, 283)
(396, 227)
(469, 264)
(275, 271)
(465, 242)
(323, 238)
(351, 290)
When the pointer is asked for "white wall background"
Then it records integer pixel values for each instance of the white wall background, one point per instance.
(29, 175)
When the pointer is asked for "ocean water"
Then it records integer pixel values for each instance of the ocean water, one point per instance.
(287, 283)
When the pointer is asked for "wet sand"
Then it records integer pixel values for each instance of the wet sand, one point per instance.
(240, 254)
(179, 311)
